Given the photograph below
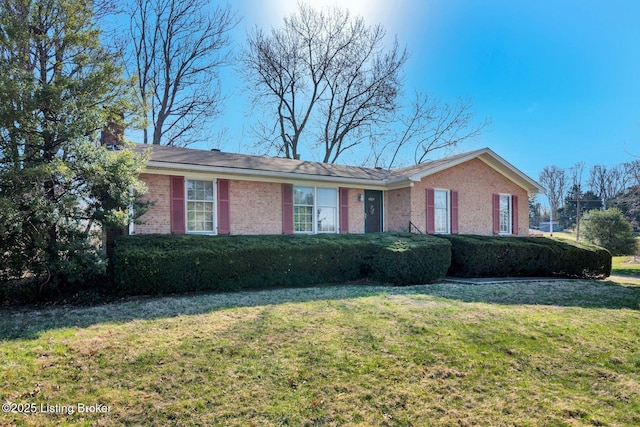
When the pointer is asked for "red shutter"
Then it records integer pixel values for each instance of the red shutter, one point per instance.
(496, 214)
(178, 223)
(431, 220)
(514, 212)
(287, 208)
(454, 212)
(344, 210)
(224, 223)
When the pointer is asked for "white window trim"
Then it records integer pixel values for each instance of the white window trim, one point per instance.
(448, 210)
(314, 219)
(509, 214)
(215, 206)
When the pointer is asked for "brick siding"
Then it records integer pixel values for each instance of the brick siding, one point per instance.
(476, 182)
(397, 210)
(157, 218)
(255, 207)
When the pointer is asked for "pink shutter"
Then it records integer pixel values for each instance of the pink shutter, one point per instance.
(344, 210)
(496, 214)
(287, 208)
(177, 215)
(431, 220)
(454, 212)
(224, 223)
(514, 213)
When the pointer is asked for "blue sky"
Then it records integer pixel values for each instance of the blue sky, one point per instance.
(560, 79)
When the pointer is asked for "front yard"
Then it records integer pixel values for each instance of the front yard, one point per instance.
(539, 353)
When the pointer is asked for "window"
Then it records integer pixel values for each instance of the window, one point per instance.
(303, 209)
(505, 214)
(327, 210)
(441, 211)
(200, 206)
(315, 210)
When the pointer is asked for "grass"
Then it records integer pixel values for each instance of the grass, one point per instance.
(538, 353)
(623, 265)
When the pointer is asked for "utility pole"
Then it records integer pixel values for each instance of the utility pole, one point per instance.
(578, 214)
(550, 220)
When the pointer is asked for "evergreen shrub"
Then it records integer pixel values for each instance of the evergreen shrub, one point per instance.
(161, 264)
(504, 256)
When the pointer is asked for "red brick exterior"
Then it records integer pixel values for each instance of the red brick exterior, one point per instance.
(397, 210)
(158, 218)
(475, 182)
(356, 211)
(256, 207)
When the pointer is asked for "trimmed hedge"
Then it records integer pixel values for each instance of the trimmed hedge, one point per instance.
(160, 264)
(486, 256)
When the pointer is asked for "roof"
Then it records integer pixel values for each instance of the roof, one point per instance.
(189, 159)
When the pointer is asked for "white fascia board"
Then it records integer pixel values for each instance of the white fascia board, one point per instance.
(260, 175)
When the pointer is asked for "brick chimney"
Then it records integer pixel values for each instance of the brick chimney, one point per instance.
(113, 134)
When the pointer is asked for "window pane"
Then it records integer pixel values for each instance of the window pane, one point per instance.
(440, 199)
(208, 191)
(504, 203)
(505, 214)
(441, 221)
(326, 219)
(327, 197)
(191, 193)
(302, 196)
(303, 219)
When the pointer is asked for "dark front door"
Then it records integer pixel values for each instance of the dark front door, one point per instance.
(372, 211)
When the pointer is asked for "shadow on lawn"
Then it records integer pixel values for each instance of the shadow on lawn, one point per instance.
(28, 323)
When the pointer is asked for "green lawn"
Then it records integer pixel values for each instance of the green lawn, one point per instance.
(623, 265)
(540, 353)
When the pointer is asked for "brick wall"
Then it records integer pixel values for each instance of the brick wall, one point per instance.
(356, 211)
(255, 207)
(397, 210)
(157, 219)
(475, 182)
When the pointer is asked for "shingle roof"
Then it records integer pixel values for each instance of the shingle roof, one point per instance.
(189, 158)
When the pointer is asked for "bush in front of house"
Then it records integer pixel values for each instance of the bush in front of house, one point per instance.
(503, 256)
(160, 264)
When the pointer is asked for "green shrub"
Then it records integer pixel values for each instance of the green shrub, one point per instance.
(493, 256)
(160, 264)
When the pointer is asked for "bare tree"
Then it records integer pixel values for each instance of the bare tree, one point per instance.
(429, 125)
(607, 183)
(326, 71)
(553, 179)
(178, 49)
(632, 170)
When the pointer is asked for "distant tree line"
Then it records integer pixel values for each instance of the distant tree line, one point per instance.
(574, 191)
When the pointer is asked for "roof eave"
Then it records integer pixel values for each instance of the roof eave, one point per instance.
(295, 176)
(499, 164)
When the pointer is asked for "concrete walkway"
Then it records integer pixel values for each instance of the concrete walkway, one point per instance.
(492, 280)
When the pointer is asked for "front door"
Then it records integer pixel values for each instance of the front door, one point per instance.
(372, 211)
